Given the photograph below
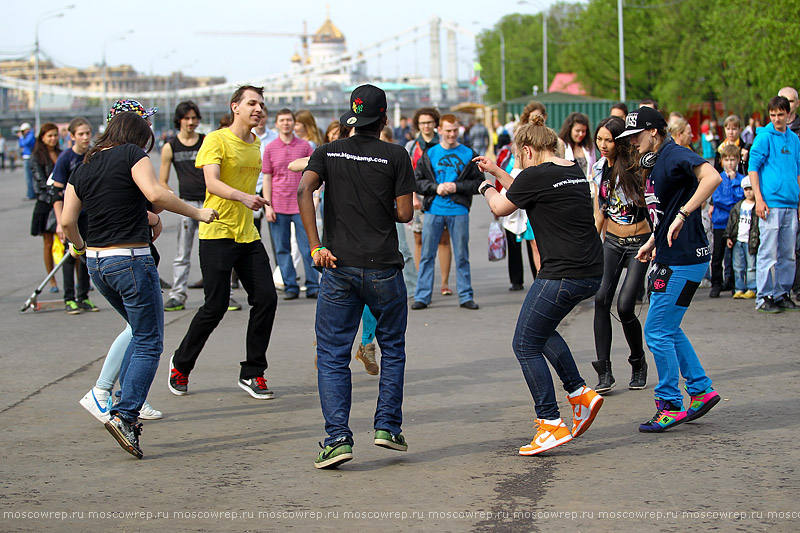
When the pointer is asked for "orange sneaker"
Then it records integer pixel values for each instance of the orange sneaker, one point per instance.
(547, 436)
(584, 409)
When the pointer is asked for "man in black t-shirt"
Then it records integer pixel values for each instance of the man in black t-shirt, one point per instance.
(368, 187)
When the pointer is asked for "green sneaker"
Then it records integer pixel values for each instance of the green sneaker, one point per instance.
(174, 305)
(87, 305)
(338, 452)
(385, 439)
(71, 307)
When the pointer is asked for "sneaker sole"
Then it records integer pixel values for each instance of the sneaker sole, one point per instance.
(703, 410)
(90, 406)
(391, 445)
(252, 393)
(120, 438)
(181, 308)
(559, 442)
(333, 462)
(148, 416)
(594, 407)
(603, 391)
(365, 362)
(663, 429)
(636, 387)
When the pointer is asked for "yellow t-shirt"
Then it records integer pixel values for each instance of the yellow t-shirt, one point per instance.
(240, 163)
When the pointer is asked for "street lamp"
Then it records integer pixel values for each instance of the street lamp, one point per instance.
(118, 37)
(622, 95)
(502, 67)
(56, 13)
(544, 45)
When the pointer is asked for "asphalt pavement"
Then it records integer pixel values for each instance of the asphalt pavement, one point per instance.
(220, 460)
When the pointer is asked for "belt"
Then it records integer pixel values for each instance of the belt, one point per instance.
(628, 241)
(118, 252)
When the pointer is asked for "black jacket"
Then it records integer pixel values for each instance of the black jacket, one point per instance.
(732, 230)
(467, 183)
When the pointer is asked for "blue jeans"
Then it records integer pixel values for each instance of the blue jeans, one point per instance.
(432, 228)
(30, 194)
(671, 349)
(281, 232)
(131, 286)
(776, 253)
(121, 349)
(536, 339)
(744, 267)
(343, 293)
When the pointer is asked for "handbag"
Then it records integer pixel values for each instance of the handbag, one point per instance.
(497, 242)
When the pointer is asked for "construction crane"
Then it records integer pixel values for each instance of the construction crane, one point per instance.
(304, 38)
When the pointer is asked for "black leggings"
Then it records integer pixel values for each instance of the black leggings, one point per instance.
(617, 253)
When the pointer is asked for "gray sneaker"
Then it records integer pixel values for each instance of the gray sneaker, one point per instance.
(126, 434)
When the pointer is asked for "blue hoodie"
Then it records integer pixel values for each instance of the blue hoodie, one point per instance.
(776, 158)
(725, 196)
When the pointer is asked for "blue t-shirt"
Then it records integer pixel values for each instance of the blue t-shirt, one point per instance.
(671, 184)
(66, 163)
(447, 165)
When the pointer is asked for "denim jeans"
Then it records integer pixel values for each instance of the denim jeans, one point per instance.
(121, 349)
(432, 228)
(29, 194)
(218, 257)
(744, 267)
(536, 339)
(344, 291)
(281, 231)
(671, 348)
(131, 286)
(775, 262)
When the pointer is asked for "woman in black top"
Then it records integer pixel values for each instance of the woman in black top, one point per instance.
(622, 216)
(43, 159)
(556, 196)
(113, 185)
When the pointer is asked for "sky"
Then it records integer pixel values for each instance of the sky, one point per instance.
(166, 34)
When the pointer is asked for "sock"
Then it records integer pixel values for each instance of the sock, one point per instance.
(577, 392)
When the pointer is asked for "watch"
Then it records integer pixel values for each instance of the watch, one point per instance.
(485, 187)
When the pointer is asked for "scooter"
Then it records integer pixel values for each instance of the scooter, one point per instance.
(33, 303)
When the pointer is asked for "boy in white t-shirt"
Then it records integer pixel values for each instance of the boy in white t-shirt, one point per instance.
(742, 237)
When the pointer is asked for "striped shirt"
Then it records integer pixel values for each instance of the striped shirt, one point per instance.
(277, 157)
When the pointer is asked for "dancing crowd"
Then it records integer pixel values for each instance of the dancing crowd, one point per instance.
(648, 220)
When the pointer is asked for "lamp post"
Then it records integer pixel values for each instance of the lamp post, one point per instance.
(118, 37)
(544, 45)
(502, 67)
(57, 13)
(622, 95)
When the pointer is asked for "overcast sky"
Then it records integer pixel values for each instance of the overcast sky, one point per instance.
(161, 27)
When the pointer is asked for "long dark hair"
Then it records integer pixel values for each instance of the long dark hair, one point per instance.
(624, 167)
(126, 128)
(40, 152)
(566, 130)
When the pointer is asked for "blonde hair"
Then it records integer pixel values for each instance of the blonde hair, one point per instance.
(305, 118)
(733, 119)
(539, 137)
(677, 126)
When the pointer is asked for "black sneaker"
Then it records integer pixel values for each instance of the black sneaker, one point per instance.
(715, 291)
(786, 303)
(769, 306)
(257, 388)
(178, 381)
(470, 304)
(418, 305)
(87, 305)
(127, 435)
(291, 296)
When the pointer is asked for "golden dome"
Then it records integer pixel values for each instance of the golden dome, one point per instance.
(296, 58)
(328, 33)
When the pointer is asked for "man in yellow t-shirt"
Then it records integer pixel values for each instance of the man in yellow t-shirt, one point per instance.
(231, 161)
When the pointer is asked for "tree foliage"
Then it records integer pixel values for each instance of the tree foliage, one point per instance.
(680, 52)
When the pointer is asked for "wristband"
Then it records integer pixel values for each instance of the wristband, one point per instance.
(157, 221)
(317, 249)
(684, 211)
(80, 251)
(484, 188)
(681, 216)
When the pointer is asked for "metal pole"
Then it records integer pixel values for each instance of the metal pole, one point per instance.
(104, 110)
(622, 95)
(502, 67)
(36, 94)
(544, 51)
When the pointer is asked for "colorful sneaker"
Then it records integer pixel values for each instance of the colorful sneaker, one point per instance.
(701, 403)
(178, 381)
(386, 439)
(71, 307)
(148, 413)
(257, 388)
(547, 436)
(98, 402)
(233, 305)
(738, 295)
(749, 295)
(174, 305)
(366, 355)
(337, 452)
(668, 415)
(127, 435)
(87, 305)
(584, 409)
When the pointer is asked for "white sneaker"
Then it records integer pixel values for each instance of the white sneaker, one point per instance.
(148, 413)
(97, 402)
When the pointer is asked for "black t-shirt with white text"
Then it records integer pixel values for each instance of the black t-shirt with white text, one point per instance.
(558, 202)
(363, 175)
(116, 207)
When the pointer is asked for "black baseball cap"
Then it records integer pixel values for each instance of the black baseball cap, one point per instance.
(644, 118)
(367, 104)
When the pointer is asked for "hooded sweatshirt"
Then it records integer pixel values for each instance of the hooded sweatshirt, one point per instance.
(775, 156)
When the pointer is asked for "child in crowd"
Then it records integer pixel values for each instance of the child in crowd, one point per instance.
(741, 235)
(725, 196)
